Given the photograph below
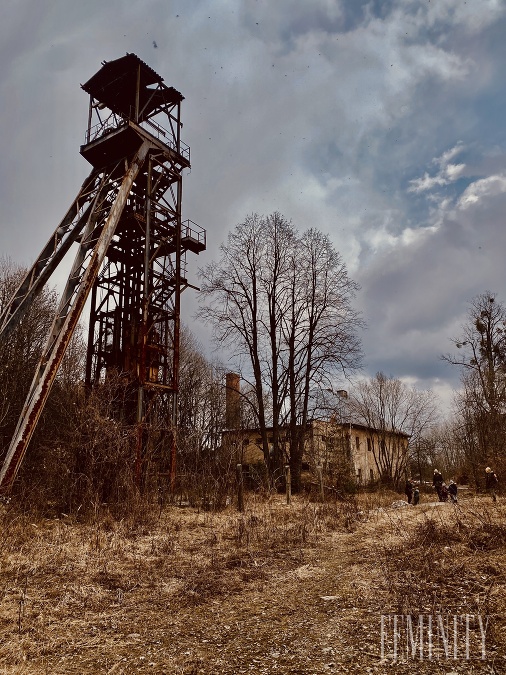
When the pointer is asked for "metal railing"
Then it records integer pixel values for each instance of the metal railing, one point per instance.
(191, 230)
(113, 123)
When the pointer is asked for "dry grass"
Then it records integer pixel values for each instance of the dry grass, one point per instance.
(183, 591)
(449, 562)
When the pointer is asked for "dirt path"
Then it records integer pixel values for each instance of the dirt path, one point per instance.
(312, 608)
(300, 621)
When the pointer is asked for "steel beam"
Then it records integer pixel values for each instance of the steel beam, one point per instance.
(81, 280)
(67, 232)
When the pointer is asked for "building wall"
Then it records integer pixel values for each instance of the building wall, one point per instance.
(357, 444)
(366, 470)
(338, 448)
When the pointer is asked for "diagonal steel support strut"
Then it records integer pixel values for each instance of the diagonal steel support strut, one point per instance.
(89, 258)
(67, 232)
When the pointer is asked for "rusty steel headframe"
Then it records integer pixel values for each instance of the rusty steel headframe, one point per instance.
(131, 257)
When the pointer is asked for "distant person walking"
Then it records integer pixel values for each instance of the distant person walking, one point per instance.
(416, 495)
(437, 482)
(443, 493)
(452, 491)
(408, 490)
(491, 483)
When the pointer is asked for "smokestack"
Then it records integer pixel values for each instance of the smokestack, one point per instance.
(233, 401)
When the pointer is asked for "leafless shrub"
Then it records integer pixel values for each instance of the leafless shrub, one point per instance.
(432, 568)
(344, 515)
(203, 490)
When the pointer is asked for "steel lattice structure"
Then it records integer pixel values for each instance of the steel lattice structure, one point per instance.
(131, 257)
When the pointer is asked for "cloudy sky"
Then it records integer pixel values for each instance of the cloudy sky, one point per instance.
(379, 122)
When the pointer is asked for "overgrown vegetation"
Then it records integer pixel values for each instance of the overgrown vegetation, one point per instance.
(443, 565)
(190, 590)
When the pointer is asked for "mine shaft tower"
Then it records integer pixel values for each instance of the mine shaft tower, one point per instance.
(131, 260)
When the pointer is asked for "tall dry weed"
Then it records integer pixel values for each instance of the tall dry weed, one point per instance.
(434, 567)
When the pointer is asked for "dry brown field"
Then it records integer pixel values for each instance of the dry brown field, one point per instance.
(296, 589)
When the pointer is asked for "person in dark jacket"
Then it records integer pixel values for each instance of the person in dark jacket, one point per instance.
(437, 482)
(443, 493)
(491, 483)
(408, 490)
(452, 491)
(416, 495)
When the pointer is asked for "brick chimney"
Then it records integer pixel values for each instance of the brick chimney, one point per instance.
(233, 401)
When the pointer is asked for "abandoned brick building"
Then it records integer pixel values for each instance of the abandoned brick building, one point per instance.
(337, 445)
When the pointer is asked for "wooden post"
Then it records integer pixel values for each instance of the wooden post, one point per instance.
(288, 482)
(319, 471)
(240, 489)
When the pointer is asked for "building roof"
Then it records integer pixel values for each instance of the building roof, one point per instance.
(344, 425)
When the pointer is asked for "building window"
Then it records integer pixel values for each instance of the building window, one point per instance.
(369, 444)
(359, 475)
(371, 475)
(357, 442)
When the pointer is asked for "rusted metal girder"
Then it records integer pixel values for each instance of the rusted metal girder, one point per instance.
(67, 232)
(81, 280)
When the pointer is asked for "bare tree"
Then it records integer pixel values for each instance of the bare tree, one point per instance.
(282, 303)
(201, 401)
(441, 446)
(482, 359)
(472, 428)
(22, 348)
(234, 307)
(20, 352)
(206, 465)
(389, 406)
(51, 457)
(320, 331)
